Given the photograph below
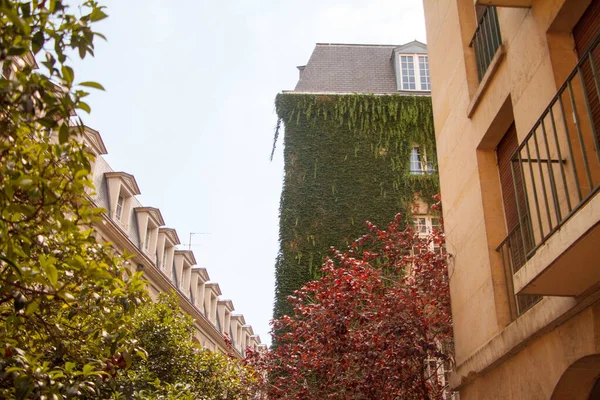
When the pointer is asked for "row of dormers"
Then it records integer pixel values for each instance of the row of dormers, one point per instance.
(140, 230)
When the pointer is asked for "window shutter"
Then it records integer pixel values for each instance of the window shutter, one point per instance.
(506, 148)
(584, 34)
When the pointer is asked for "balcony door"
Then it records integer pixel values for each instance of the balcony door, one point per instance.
(513, 198)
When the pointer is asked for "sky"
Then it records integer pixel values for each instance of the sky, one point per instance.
(188, 110)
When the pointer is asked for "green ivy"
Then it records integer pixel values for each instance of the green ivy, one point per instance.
(346, 161)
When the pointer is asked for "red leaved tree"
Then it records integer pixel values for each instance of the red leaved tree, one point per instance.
(377, 325)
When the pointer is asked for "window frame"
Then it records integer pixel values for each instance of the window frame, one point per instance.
(426, 168)
(416, 67)
(428, 226)
(120, 207)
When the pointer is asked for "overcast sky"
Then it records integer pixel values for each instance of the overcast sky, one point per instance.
(189, 112)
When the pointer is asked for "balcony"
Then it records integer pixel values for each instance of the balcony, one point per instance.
(554, 249)
(486, 40)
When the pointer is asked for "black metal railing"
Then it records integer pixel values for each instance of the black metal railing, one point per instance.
(556, 169)
(486, 40)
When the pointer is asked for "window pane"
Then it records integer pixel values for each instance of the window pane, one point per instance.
(424, 72)
(407, 71)
(415, 162)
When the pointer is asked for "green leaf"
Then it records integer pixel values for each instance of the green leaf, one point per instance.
(94, 85)
(84, 106)
(33, 306)
(37, 42)
(16, 51)
(18, 22)
(51, 274)
(69, 366)
(63, 133)
(88, 369)
(67, 74)
(97, 15)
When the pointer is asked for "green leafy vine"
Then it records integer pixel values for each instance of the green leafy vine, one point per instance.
(346, 161)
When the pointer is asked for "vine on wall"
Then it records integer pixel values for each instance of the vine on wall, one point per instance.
(346, 161)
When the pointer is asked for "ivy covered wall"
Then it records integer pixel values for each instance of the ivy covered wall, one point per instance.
(346, 161)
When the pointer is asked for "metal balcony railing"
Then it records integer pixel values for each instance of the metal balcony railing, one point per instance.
(556, 169)
(486, 40)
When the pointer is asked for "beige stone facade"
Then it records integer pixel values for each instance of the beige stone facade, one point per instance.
(516, 99)
(139, 231)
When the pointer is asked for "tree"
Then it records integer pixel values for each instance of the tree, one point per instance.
(66, 301)
(71, 325)
(376, 325)
(177, 366)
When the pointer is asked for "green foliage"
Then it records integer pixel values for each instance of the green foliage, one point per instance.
(66, 302)
(177, 366)
(346, 161)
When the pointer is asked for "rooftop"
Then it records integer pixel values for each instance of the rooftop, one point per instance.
(353, 68)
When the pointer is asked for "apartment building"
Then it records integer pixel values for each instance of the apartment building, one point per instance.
(515, 89)
(140, 231)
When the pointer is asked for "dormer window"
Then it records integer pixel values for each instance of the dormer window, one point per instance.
(122, 188)
(147, 239)
(149, 220)
(165, 249)
(164, 260)
(424, 73)
(414, 72)
(119, 210)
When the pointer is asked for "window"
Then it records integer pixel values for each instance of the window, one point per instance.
(418, 163)
(119, 210)
(414, 72)
(420, 225)
(407, 66)
(147, 239)
(424, 72)
(425, 225)
(487, 38)
(164, 259)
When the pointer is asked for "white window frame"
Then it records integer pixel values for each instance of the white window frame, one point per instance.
(425, 168)
(415, 64)
(120, 207)
(424, 224)
(148, 237)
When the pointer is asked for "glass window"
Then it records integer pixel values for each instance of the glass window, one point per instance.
(420, 225)
(407, 67)
(164, 259)
(435, 223)
(419, 164)
(414, 72)
(119, 211)
(424, 73)
(147, 239)
(415, 161)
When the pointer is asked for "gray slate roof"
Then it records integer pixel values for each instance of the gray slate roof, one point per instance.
(351, 68)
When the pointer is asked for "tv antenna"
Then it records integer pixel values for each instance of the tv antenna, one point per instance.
(195, 233)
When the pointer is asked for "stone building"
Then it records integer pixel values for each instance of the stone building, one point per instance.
(140, 231)
(515, 89)
(358, 144)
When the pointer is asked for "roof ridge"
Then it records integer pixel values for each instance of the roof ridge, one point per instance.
(358, 44)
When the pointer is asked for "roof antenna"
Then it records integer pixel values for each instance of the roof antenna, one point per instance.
(195, 233)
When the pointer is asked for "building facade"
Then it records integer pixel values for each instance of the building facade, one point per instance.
(358, 144)
(515, 88)
(140, 231)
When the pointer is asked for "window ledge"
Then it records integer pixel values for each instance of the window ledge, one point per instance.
(485, 81)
